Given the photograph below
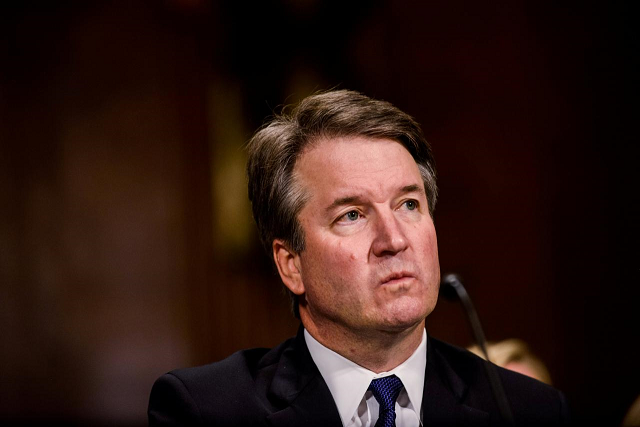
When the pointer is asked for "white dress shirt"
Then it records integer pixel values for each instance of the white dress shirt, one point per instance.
(348, 383)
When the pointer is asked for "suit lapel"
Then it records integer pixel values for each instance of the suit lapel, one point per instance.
(299, 391)
(444, 393)
(301, 396)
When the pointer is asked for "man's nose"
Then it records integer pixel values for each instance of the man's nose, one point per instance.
(390, 237)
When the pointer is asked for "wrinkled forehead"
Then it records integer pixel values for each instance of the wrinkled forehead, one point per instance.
(332, 147)
(355, 165)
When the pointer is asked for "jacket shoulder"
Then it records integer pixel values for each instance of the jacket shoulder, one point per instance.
(531, 401)
(227, 393)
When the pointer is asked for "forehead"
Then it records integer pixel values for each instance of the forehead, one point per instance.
(356, 165)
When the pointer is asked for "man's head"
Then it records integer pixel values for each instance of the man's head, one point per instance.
(276, 192)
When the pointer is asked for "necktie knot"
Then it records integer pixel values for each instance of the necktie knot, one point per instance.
(386, 391)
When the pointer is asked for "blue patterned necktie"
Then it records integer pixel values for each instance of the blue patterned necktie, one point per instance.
(386, 391)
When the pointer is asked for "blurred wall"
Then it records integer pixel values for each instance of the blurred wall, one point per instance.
(126, 243)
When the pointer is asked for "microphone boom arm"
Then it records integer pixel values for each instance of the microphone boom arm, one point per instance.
(452, 281)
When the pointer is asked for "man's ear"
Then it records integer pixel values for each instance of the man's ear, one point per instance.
(288, 263)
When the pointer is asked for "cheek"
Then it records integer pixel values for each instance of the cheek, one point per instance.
(430, 246)
(433, 246)
(344, 253)
(331, 258)
(336, 260)
(343, 263)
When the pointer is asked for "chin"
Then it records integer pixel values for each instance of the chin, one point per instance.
(400, 321)
(411, 312)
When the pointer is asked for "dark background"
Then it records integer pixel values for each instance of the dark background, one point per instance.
(126, 243)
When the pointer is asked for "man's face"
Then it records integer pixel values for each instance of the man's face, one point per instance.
(370, 261)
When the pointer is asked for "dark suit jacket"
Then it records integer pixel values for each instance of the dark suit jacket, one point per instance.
(283, 387)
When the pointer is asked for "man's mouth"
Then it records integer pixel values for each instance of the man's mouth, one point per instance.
(397, 277)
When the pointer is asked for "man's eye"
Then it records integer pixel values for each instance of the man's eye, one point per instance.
(352, 215)
(411, 204)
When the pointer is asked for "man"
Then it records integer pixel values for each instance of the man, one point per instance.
(343, 192)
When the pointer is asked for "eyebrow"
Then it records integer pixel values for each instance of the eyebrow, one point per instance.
(343, 201)
(413, 188)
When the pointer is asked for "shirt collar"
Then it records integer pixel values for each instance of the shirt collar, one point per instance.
(348, 382)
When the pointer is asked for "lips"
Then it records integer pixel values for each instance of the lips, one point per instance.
(397, 277)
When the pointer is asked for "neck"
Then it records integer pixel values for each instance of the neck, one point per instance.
(375, 350)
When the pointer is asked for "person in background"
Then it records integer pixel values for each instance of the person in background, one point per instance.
(632, 417)
(514, 354)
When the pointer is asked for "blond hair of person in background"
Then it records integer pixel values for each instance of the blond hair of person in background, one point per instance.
(515, 355)
(632, 419)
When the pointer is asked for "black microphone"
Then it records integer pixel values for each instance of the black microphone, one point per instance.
(451, 288)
